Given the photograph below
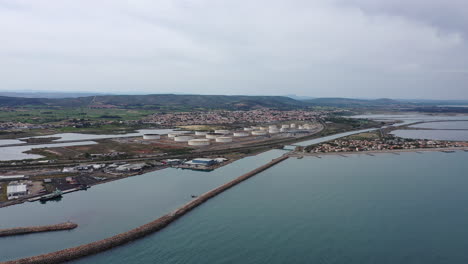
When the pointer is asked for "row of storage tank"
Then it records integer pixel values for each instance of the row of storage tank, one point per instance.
(220, 135)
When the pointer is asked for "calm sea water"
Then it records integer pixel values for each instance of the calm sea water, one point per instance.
(410, 118)
(451, 135)
(115, 207)
(360, 209)
(443, 125)
(437, 133)
(407, 208)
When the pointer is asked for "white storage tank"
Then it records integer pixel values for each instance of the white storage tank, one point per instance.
(213, 135)
(182, 138)
(241, 134)
(200, 133)
(259, 133)
(224, 139)
(222, 131)
(174, 134)
(199, 142)
(151, 136)
(273, 130)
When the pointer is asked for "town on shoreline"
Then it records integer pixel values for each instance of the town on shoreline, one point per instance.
(76, 168)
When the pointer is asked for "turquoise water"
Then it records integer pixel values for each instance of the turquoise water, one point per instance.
(408, 208)
(450, 135)
(115, 207)
(443, 125)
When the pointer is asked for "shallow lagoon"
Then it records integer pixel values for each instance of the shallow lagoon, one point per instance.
(408, 208)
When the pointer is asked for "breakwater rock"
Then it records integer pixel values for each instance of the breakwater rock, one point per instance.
(36, 229)
(139, 232)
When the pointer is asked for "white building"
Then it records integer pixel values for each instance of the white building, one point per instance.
(12, 177)
(15, 191)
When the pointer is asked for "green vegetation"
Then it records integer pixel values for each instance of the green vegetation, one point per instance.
(351, 123)
(365, 136)
(159, 102)
(44, 115)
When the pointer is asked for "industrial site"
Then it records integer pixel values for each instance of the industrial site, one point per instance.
(75, 168)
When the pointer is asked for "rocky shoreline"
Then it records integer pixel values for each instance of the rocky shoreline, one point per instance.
(36, 229)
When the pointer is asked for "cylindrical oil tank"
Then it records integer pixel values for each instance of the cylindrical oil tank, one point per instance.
(222, 131)
(174, 134)
(273, 130)
(224, 139)
(199, 142)
(200, 133)
(259, 133)
(151, 136)
(213, 135)
(183, 138)
(241, 134)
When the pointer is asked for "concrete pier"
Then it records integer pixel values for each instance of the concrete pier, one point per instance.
(36, 229)
(139, 232)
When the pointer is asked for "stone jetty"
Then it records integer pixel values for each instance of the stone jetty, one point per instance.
(36, 229)
(139, 232)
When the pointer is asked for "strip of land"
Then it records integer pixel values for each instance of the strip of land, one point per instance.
(36, 229)
(139, 232)
(395, 151)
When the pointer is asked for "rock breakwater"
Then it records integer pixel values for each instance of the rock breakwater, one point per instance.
(139, 232)
(36, 229)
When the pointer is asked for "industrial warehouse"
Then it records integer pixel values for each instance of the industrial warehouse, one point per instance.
(120, 157)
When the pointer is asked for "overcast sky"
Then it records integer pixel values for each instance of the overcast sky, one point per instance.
(321, 48)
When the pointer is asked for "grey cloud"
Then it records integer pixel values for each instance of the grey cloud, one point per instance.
(317, 48)
(446, 15)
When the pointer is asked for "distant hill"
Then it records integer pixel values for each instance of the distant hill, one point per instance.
(40, 94)
(19, 101)
(183, 102)
(353, 103)
(161, 101)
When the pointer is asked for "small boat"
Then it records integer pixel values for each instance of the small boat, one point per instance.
(51, 196)
(300, 157)
(194, 196)
(448, 151)
(84, 187)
